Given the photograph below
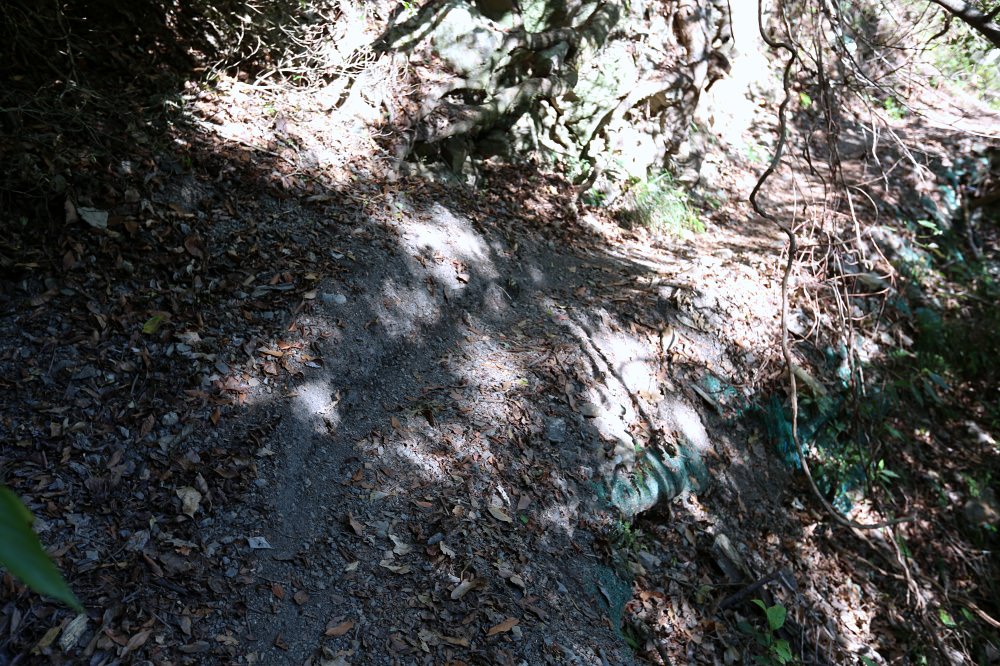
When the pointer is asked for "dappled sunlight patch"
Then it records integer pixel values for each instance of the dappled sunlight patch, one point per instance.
(312, 401)
(444, 245)
(426, 464)
(404, 311)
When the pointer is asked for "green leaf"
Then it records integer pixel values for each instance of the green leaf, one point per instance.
(22, 554)
(776, 617)
(805, 100)
(946, 618)
(152, 324)
(868, 662)
(782, 651)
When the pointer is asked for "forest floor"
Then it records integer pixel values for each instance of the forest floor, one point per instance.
(262, 419)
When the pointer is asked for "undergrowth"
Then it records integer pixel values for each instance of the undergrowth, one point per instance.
(660, 204)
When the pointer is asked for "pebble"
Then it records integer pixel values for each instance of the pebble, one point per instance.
(170, 419)
(334, 299)
(648, 560)
(555, 430)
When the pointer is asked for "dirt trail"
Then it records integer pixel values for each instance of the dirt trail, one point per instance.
(441, 487)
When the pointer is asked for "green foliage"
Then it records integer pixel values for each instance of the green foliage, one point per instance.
(895, 110)
(777, 651)
(966, 59)
(22, 554)
(660, 204)
(625, 536)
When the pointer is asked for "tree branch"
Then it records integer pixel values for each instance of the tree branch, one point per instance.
(980, 22)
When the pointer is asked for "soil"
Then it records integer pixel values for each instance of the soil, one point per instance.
(263, 420)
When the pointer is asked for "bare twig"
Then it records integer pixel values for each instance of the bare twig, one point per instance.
(792, 250)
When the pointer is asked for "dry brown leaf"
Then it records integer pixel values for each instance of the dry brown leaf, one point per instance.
(137, 641)
(339, 629)
(497, 513)
(190, 499)
(195, 247)
(358, 528)
(503, 627)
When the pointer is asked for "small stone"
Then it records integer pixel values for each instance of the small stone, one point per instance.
(258, 543)
(170, 419)
(555, 430)
(648, 560)
(333, 299)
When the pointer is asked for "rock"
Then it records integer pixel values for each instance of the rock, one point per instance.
(555, 430)
(648, 560)
(170, 419)
(333, 299)
(467, 42)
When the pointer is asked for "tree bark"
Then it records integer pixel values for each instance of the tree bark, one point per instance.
(980, 22)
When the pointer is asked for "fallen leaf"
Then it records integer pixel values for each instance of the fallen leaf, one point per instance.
(70, 211)
(195, 247)
(352, 566)
(395, 423)
(137, 641)
(190, 500)
(258, 543)
(94, 217)
(463, 588)
(395, 568)
(196, 647)
(153, 324)
(401, 547)
(503, 627)
(497, 513)
(358, 528)
(455, 640)
(189, 337)
(47, 639)
(339, 629)
(445, 550)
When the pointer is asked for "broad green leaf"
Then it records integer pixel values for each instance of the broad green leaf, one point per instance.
(782, 651)
(22, 554)
(868, 662)
(946, 618)
(152, 324)
(776, 617)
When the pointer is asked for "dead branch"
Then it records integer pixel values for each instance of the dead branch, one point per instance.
(792, 251)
